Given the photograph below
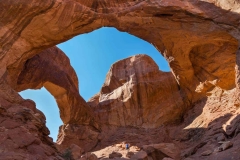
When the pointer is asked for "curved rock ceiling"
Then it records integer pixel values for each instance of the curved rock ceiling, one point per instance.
(183, 31)
(51, 69)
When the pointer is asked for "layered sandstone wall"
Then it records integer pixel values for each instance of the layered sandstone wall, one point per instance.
(185, 32)
(136, 93)
(199, 39)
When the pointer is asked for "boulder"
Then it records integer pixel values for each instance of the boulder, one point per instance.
(76, 151)
(88, 156)
(141, 155)
(114, 154)
(225, 145)
(164, 150)
(206, 153)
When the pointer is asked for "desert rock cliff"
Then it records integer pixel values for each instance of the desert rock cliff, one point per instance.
(136, 93)
(199, 39)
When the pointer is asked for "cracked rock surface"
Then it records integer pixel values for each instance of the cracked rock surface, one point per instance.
(199, 98)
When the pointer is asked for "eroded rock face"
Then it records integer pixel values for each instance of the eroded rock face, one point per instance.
(137, 93)
(211, 122)
(185, 32)
(87, 137)
(51, 69)
(181, 30)
(200, 40)
(23, 132)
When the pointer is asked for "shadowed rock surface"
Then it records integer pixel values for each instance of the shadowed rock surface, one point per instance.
(199, 39)
(51, 69)
(23, 130)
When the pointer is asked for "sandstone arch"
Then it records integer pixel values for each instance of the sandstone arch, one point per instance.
(52, 69)
(174, 27)
(183, 31)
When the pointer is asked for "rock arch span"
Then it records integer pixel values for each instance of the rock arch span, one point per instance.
(182, 30)
(51, 69)
(174, 27)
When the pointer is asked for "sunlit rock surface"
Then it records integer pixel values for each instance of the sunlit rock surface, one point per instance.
(51, 69)
(199, 39)
(137, 93)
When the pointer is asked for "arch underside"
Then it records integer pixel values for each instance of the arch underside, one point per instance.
(182, 31)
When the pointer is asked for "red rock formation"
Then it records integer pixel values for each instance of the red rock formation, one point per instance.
(197, 28)
(200, 40)
(137, 93)
(51, 69)
(84, 136)
(210, 122)
(23, 131)
(194, 25)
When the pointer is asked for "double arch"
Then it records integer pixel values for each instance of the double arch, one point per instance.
(181, 30)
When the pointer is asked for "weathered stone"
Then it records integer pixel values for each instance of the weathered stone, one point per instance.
(85, 137)
(36, 150)
(164, 149)
(89, 156)
(221, 137)
(76, 151)
(29, 104)
(10, 124)
(21, 136)
(206, 153)
(166, 158)
(137, 93)
(141, 155)
(114, 154)
(60, 80)
(225, 145)
(199, 39)
(129, 154)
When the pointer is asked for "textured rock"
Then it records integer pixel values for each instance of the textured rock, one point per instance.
(85, 137)
(114, 154)
(225, 145)
(200, 40)
(137, 93)
(141, 155)
(167, 149)
(198, 30)
(204, 123)
(24, 134)
(206, 153)
(89, 156)
(51, 69)
(167, 158)
(76, 151)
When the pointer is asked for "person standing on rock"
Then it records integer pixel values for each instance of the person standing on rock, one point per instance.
(127, 146)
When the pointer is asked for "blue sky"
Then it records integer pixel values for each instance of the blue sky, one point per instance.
(91, 55)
